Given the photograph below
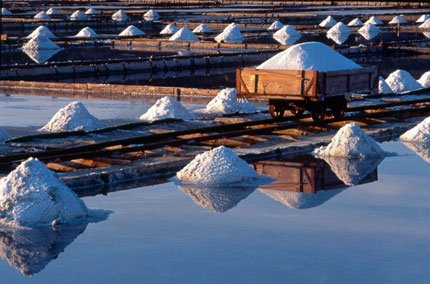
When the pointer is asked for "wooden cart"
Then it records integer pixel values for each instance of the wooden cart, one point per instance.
(300, 90)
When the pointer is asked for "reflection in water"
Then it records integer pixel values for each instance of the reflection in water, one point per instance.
(338, 38)
(40, 55)
(286, 40)
(422, 149)
(216, 199)
(368, 35)
(29, 250)
(426, 34)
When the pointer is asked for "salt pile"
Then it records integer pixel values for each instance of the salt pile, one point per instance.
(369, 31)
(91, 11)
(226, 102)
(120, 16)
(151, 15)
(338, 38)
(420, 133)
(4, 135)
(169, 30)
(74, 116)
(426, 24)
(40, 42)
(231, 34)
(219, 167)
(52, 11)
(383, 87)
(41, 30)
(32, 196)
(40, 55)
(339, 33)
(131, 31)
(165, 108)
(351, 142)
(276, 25)
(287, 31)
(374, 21)
(184, 34)
(78, 16)
(87, 32)
(423, 18)
(401, 81)
(5, 12)
(42, 16)
(424, 80)
(309, 56)
(355, 23)
(202, 29)
(397, 20)
(328, 22)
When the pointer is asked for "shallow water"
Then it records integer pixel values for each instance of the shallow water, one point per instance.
(376, 232)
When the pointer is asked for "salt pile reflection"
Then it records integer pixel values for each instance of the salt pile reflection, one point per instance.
(40, 55)
(422, 149)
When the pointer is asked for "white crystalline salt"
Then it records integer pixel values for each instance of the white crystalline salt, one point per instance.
(131, 31)
(40, 55)
(374, 21)
(87, 32)
(401, 81)
(355, 23)
(309, 56)
(426, 24)
(420, 133)
(202, 29)
(40, 42)
(369, 31)
(74, 116)
(226, 102)
(276, 25)
(42, 16)
(169, 30)
(231, 34)
(32, 196)
(165, 108)
(91, 11)
(5, 12)
(4, 135)
(383, 87)
(78, 16)
(219, 167)
(351, 142)
(289, 40)
(339, 28)
(328, 22)
(287, 31)
(184, 34)
(423, 18)
(52, 11)
(397, 20)
(41, 30)
(424, 80)
(151, 15)
(120, 16)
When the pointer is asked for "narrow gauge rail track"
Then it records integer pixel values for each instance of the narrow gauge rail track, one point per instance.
(195, 137)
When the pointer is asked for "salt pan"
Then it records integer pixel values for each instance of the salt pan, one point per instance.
(169, 30)
(420, 133)
(400, 81)
(355, 23)
(351, 142)
(287, 31)
(92, 11)
(309, 56)
(52, 11)
(426, 24)
(87, 32)
(131, 31)
(276, 25)
(328, 22)
(41, 30)
(369, 31)
(120, 16)
(374, 21)
(383, 87)
(397, 20)
(151, 15)
(5, 12)
(184, 34)
(4, 135)
(78, 16)
(423, 18)
(202, 29)
(424, 80)
(74, 116)
(165, 108)
(42, 16)
(226, 102)
(231, 34)
(40, 42)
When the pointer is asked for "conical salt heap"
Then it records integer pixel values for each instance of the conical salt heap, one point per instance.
(401, 81)
(423, 18)
(339, 33)
(166, 108)
(131, 31)
(351, 142)
(169, 30)
(202, 29)
(420, 133)
(374, 21)
(426, 24)
(287, 31)
(40, 42)
(231, 34)
(72, 117)
(328, 22)
(184, 34)
(5, 12)
(151, 15)
(424, 80)
(52, 11)
(369, 31)
(87, 32)
(92, 11)
(397, 20)
(355, 23)
(41, 30)
(42, 16)
(119, 16)
(78, 16)
(383, 87)
(276, 25)
(226, 102)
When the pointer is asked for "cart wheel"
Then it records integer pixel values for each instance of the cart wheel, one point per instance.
(339, 108)
(276, 112)
(318, 111)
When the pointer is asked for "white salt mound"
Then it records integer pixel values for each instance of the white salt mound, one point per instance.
(328, 22)
(52, 11)
(4, 135)
(276, 25)
(286, 40)
(339, 28)
(120, 16)
(218, 167)
(355, 23)
(401, 81)
(5, 12)
(78, 16)
(169, 30)
(87, 32)
(309, 56)
(41, 30)
(151, 15)
(424, 80)
(184, 34)
(165, 108)
(423, 18)
(131, 31)
(426, 24)
(72, 117)
(226, 102)
(351, 142)
(420, 133)
(202, 29)
(40, 42)
(231, 34)
(397, 20)
(42, 16)
(287, 31)
(369, 31)
(338, 38)
(383, 87)
(91, 11)
(374, 21)
(32, 196)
